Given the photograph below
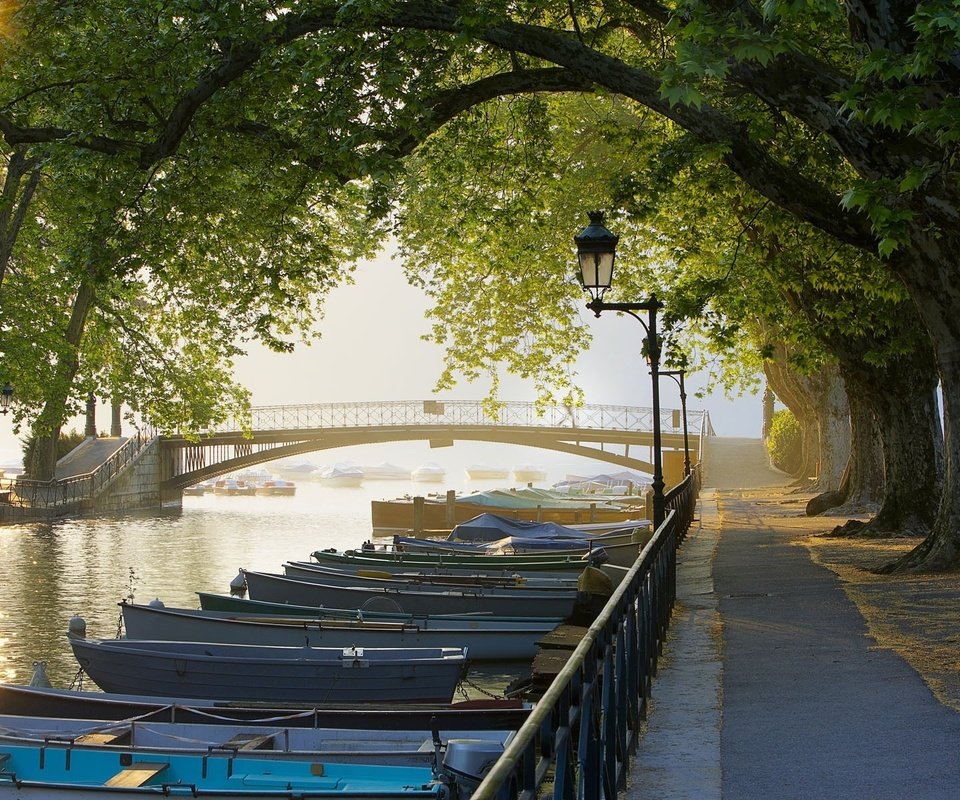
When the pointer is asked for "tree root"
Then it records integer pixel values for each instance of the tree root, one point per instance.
(822, 502)
(855, 528)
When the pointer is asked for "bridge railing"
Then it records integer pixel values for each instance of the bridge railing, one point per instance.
(27, 492)
(460, 413)
(584, 729)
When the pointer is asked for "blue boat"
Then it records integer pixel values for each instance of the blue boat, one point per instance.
(43, 772)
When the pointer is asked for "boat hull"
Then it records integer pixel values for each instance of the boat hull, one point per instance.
(278, 589)
(68, 703)
(485, 641)
(346, 576)
(270, 674)
(39, 771)
(415, 746)
(231, 604)
(393, 516)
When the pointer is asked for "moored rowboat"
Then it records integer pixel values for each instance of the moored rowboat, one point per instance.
(463, 716)
(46, 773)
(264, 673)
(485, 641)
(233, 605)
(279, 589)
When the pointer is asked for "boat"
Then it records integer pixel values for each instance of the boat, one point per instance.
(271, 674)
(348, 576)
(386, 472)
(197, 490)
(406, 558)
(340, 475)
(232, 487)
(528, 473)
(485, 641)
(462, 573)
(484, 472)
(136, 735)
(48, 772)
(389, 517)
(430, 472)
(233, 605)
(462, 600)
(276, 487)
(492, 714)
(624, 482)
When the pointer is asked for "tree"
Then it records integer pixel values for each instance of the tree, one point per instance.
(875, 88)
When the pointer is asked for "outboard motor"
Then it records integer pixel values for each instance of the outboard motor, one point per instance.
(77, 626)
(40, 678)
(238, 586)
(467, 761)
(156, 603)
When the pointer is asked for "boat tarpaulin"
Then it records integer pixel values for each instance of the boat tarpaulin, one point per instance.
(491, 528)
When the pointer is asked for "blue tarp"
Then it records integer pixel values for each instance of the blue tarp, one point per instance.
(491, 528)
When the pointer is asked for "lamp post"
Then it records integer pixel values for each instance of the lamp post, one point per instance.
(6, 395)
(678, 375)
(596, 252)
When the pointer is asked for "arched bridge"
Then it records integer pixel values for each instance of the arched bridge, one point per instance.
(602, 432)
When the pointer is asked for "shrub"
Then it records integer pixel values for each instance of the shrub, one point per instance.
(785, 442)
(65, 443)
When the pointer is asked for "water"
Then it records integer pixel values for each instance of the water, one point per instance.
(52, 571)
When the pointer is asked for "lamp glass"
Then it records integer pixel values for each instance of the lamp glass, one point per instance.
(596, 270)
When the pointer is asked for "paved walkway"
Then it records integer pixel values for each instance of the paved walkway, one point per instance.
(771, 687)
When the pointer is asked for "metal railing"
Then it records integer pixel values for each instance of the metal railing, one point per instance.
(441, 413)
(581, 734)
(76, 489)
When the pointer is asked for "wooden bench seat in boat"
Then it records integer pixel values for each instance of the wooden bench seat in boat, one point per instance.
(137, 774)
(4, 758)
(118, 737)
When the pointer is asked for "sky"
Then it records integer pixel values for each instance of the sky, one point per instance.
(371, 350)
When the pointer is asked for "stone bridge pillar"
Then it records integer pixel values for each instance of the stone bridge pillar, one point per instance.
(91, 428)
(115, 429)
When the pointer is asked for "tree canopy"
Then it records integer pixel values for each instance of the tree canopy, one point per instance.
(272, 141)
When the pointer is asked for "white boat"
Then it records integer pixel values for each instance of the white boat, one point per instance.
(276, 487)
(341, 474)
(231, 487)
(430, 472)
(484, 472)
(386, 472)
(528, 473)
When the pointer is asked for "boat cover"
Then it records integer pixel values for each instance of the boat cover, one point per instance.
(490, 528)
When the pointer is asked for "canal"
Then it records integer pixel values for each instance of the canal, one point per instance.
(50, 572)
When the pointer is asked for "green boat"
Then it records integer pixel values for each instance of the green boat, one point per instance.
(494, 564)
(240, 605)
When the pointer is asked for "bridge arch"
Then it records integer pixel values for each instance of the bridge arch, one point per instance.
(285, 431)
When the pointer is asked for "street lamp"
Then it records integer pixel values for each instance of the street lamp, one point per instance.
(596, 252)
(6, 395)
(677, 375)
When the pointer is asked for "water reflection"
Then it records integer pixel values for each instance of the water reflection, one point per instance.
(86, 566)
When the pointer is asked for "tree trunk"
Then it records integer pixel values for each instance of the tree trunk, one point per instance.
(927, 270)
(793, 395)
(46, 427)
(833, 424)
(15, 202)
(863, 492)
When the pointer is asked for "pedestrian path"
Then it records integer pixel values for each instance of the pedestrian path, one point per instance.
(771, 686)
